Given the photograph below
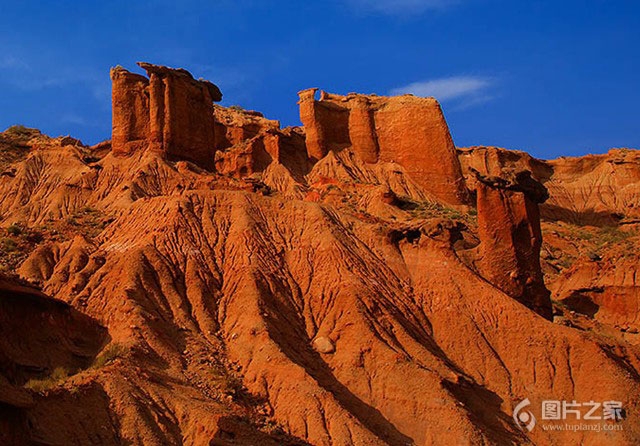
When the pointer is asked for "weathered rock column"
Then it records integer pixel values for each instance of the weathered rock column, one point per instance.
(315, 138)
(156, 111)
(362, 129)
(130, 105)
(169, 112)
(511, 238)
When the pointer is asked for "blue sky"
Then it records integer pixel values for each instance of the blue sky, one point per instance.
(550, 77)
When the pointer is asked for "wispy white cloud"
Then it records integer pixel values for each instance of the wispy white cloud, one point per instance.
(13, 63)
(466, 91)
(401, 7)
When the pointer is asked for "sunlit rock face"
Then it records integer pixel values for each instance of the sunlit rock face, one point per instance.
(171, 112)
(407, 130)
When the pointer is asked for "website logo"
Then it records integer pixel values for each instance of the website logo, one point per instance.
(524, 419)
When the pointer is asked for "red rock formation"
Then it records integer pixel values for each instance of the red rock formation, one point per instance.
(219, 297)
(247, 142)
(405, 129)
(130, 110)
(171, 112)
(235, 125)
(590, 190)
(362, 129)
(511, 238)
(349, 311)
(605, 286)
(245, 158)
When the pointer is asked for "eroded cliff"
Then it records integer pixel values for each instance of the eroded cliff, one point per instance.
(293, 287)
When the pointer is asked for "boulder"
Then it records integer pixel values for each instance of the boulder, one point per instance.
(323, 344)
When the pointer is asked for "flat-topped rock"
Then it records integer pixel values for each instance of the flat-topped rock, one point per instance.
(407, 130)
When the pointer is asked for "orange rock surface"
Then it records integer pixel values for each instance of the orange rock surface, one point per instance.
(321, 285)
(407, 130)
(590, 190)
(171, 112)
(605, 287)
(247, 143)
(511, 238)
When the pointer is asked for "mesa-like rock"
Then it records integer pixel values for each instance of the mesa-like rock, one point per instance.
(171, 112)
(407, 130)
(209, 277)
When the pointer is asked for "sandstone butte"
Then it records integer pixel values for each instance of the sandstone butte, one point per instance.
(208, 277)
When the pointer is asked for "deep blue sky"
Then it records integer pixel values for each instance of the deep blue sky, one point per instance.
(550, 77)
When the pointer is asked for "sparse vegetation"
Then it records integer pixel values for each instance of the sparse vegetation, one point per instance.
(110, 353)
(59, 375)
(14, 147)
(16, 246)
(21, 131)
(603, 238)
(613, 234)
(225, 381)
(8, 245)
(425, 209)
(592, 242)
(14, 229)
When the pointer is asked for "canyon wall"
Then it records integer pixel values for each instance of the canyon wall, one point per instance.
(407, 130)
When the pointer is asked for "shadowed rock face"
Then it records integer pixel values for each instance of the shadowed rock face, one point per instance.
(407, 130)
(37, 335)
(511, 238)
(171, 112)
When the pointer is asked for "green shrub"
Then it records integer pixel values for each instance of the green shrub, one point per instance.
(58, 375)
(8, 245)
(14, 230)
(109, 354)
(612, 234)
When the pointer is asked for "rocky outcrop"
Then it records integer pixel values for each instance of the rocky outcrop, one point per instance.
(598, 190)
(407, 130)
(606, 286)
(130, 111)
(269, 304)
(595, 189)
(247, 142)
(511, 238)
(235, 125)
(170, 112)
